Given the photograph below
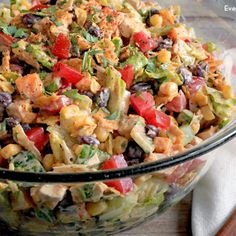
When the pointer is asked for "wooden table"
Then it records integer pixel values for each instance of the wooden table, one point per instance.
(174, 222)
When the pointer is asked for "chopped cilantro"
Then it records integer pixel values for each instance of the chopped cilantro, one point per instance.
(89, 37)
(13, 31)
(109, 18)
(113, 116)
(73, 94)
(55, 21)
(15, 45)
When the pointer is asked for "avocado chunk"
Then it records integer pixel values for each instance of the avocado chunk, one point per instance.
(139, 136)
(26, 161)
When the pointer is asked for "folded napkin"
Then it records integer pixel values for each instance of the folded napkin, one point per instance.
(214, 198)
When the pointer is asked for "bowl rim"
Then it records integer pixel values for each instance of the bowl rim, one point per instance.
(220, 138)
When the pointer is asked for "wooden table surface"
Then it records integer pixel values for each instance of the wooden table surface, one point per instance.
(176, 221)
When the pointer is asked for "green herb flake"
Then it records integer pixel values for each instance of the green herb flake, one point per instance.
(89, 37)
(73, 94)
(109, 18)
(113, 116)
(15, 45)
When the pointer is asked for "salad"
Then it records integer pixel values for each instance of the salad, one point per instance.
(99, 85)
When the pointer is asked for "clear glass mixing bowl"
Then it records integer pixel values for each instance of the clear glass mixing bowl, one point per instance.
(159, 184)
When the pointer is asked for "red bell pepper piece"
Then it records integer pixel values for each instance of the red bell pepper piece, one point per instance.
(6, 40)
(62, 46)
(157, 118)
(38, 137)
(39, 7)
(142, 102)
(127, 74)
(195, 84)
(178, 104)
(57, 105)
(122, 185)
(64, 71)
(144, 42)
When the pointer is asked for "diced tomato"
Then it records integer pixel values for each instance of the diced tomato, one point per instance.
(39, 7)
(195, 164)
(157, 118)
(36, 2)
(178, 104)
(62, 46)
(144, 42)
(121, 185)
(38, 137)
(57, 105)
(64, 71)
(142, 102)
(6, 40)
(127, 74)
(195, 84)
(179, 172)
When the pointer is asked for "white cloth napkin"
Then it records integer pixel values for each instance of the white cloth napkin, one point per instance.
(214, 198)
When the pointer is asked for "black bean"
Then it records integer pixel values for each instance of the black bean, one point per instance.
(95, 31)
(2, 111)
(26, 67)
(102, 97)
(154, 12)
(152, 131)
(133, 151)
(89, 140)
(200, 69)
(164, 44)
(186, 75)
(52, 2)
(11, 122)
(5, 99)
(26, 127)
(47, 148)
(140, 87)
(29, 19)
(87, 93)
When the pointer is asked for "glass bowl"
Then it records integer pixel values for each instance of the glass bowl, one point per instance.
(159, 184)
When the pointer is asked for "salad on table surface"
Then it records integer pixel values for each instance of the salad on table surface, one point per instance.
(100, 85)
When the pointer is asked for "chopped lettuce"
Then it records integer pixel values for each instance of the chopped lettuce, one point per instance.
(6, 213)
(119, 98)
(88, 152)
(137, 59)
(60, 143)
(188, 134)
(154, 71)
(120, 207)
(139, 136)
(223, 108)
(45, 214)
(38, 53)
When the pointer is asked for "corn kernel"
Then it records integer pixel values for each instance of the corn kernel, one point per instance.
(201, 99)
(10, 150)
(102, 134)
(164, 56)
(169, 89)
(96, 208)
(207, 113)
(119, 144)
(156, 20)
(228, 92)
(48, 162)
